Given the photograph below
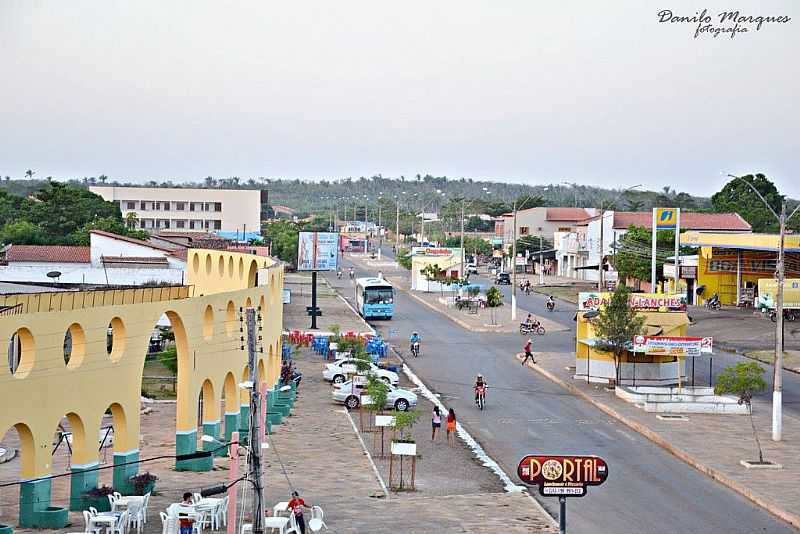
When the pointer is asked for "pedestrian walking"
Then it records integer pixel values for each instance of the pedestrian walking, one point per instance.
(436, 422)
(451, 427)
(296, 505)
(528, 351)
(185, 522)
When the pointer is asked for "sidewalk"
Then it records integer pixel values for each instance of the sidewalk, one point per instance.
(324, 460)
(714, 444)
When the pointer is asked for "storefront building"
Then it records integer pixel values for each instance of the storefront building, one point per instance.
(730, 265)
(447, 260)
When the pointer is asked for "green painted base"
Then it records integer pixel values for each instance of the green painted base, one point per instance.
(6, 529)
(244, 422)
(52, 517)
(81, 481)
(231, 425)
(213, 429)
(275, 418)
(123, 472)
(34, 497)
(186, 443)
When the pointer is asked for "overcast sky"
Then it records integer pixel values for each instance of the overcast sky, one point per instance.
(511, 90)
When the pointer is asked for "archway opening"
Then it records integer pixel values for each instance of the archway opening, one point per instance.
(74, 346)
(252, 274)
(18, 453)
(115, 339)
(73, 451)
(230, 318)
(167, 352)
(21, 353)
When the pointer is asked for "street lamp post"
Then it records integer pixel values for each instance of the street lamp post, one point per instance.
(422, 214)
(777, 380)
(514, 260)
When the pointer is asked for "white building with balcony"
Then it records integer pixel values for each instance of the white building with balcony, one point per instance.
(186, 209)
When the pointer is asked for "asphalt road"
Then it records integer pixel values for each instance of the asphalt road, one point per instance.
(647, 490)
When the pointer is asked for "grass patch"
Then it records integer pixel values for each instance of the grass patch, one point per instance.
(568, 293)
(791, 359)
(163, 365)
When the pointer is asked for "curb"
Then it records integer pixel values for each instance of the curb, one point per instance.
(778, 512)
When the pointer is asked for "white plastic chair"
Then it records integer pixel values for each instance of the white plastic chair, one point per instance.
(316, 523)
(200, 519)
(93, 510)
(292, 525)
(223, 510)
(145, 504)
(121, 526)
(135, 516)
(112, 500)
(245, 528)
(89, 526)
(168, 523)
(196, 498)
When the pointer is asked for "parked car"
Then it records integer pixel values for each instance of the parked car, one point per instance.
(338, 371)
(503, 279)
(471, 268)
(349, 394)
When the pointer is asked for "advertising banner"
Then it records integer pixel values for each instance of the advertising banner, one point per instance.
(562, 476)
(434, 251)
(767, 292)
(590, 300)
(666, 218)
(673, 346)
(317, 251)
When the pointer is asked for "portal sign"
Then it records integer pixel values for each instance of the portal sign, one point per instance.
(562, 476)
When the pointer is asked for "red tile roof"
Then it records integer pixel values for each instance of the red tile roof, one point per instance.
(689, 221)
(48, 254)
(566, 214)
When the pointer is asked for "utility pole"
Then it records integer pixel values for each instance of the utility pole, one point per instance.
(462, 237)
(397, 227)
(777, 379)
(254, 473)
(600, 263)
(514, 266)
(541, 260)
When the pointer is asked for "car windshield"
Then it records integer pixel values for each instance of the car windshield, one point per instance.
(379, 296)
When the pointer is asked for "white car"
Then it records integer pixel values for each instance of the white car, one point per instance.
(338, 371)
(472, 268)
(349, 394)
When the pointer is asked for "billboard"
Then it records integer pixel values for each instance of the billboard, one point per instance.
(562, 476)
(641, 301)
(317, 251)
(673, 346)
(435, 252)
(768, 287)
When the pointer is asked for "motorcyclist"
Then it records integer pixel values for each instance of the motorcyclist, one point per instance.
(414, 338)
(530, 322)
(551, 302)
(479, 382)
(352, 273)
(339, 273)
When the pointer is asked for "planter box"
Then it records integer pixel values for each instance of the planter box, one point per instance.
(6, 529)
(101, 503)
(52, 517)
(404, 449)
(147, 489)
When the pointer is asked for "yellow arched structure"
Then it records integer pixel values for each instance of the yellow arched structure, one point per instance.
(110, 334)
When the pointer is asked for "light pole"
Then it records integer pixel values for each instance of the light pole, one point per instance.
(422, 214)
(514, 260)
(603, 206)
(777, 372)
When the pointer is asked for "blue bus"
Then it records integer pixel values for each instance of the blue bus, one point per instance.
(374, 298)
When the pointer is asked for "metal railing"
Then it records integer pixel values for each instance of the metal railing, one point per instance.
(77, 300)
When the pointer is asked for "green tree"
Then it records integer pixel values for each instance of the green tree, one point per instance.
(737, 197)
(105, 224)
(617, 325)
(62, 210)
(633, 251)
(22, 233)
(494, 299)
(378, 392)
(431, 272)
(404, 258)
(404, 423)
(471, 244)
(744, 380)
(282, 236)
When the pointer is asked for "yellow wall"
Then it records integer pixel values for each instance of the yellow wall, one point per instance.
(45, 389)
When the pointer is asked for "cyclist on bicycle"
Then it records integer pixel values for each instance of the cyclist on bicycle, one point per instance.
(480, 383)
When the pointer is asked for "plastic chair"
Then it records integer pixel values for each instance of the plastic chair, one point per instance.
(136, 516)
(89, 527)
(145, 504)
(292, 525)
(121, 526)
(112, 500)
(167, 523)
(223, 511)
(316, 523)
(93, 510)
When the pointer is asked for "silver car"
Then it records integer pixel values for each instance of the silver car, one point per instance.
(349, 394)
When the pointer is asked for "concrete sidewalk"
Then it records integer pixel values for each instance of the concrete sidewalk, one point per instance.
(713, 444)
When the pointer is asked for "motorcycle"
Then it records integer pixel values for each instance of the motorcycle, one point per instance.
(551, 305)
(789, 315)
(339, 275)
(481, 391)
(713, 303)
(532, 328)
(415, 349)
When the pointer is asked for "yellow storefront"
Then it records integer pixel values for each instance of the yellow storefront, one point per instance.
(731, 264)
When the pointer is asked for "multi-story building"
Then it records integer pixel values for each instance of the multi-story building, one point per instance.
(200, 210)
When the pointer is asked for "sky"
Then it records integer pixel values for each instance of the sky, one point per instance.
(527, 91)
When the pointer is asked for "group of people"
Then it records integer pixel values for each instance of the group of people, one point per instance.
(296, 505)
(436, 424)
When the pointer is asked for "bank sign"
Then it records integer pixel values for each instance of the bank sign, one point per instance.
(562, 476)
(638, 301)
(677, 346)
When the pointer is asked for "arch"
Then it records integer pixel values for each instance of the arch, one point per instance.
(21, 353)
(230, 318)
(230, 266)
(262, 305)
(248, 302)
(196, 263)
(208, 264)
(231, 398)
(119, 421)
(74, 346)
(262, 372)
(210, 402)
(115, 339)
(252, 274)
(82, 453)
(208, 323)
(244, 394)
(27, 448)
(221, 266)
(241, 268)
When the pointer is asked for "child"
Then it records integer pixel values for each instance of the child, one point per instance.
(451, 427)
(184, 521)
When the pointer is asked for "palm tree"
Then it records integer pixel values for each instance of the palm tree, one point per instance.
(29, 174)
(102, 178)
(131, 220)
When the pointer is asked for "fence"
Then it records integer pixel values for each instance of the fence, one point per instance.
(76, 300)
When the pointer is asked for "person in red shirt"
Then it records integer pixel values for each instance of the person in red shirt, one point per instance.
(185, 522)
(296, 505)
(528, 351)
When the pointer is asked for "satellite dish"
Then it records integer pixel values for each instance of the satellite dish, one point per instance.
(54, 274)
(591, 314)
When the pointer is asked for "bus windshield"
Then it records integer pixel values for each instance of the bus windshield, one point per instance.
(378, 295)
